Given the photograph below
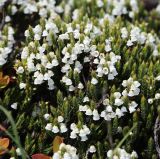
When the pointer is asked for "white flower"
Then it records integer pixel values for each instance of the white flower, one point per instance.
(49, 65)
(18, 151)
(76, 34)
(155, 52)
(86, 41)
(39, 79)
(109, 153)
(37, 37)
(109, 108)
(56, 156)
(22, 85)
(64, 36)
(95, 53)
(48, 126)
(157, 96)
(60, 119)
(88, 112)
(80, 86)
(142, 38)
(95, 115)
(68, 82)
(2, 60)
(100, 3)
(136, 84)
(129, 43)
(133, 92)
(150, 101)
(55, 129)
(82, 133)
(26, 33)
(13, 9)
(85, 99)
(20, 69)
(14, 106)
(94, 81)
(55, 62)
(106, 101)
(83, 108)
(86, 59)
(158, 78)
(63, 128)
(25, 51)
(67, 156)
(73, 135)
(71, 88)
(45, 33)
(105, 70)
(92, 149)
(158, 9)
(117, 94)
(73, 126)
(66, 152)
(51, 84)
(108, 48)
(84, 138)
(7, 18)
(119, 113)
(46, 116)
(134, 155)
(118, 102)
(124, 33)
(132, 106)
(86, 129)
(121, 154)
(123, 109)
(133, 87)
(115, 157)
(124, 93)
(110, 76)
(37, 29)
(46, 76)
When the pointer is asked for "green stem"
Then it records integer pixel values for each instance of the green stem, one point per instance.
(15, 138)
(125, 137)
(109, 127)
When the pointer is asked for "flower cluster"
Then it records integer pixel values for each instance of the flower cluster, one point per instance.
(54, 128)
(89, 112)
(6, 43)
(118, 105)
(42, 7)
(156, 97)
(81, 132)
(132, 87)
(137, 36)
(37, 58)
(121, 153)
(66, 152)
(120, 8)
(85, 70)
(51, 8)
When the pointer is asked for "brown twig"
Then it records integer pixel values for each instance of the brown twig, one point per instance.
(101, 100)
(156, 130)
(108, 123)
